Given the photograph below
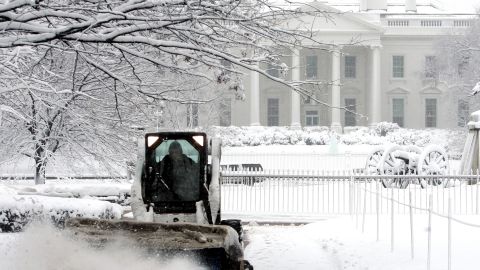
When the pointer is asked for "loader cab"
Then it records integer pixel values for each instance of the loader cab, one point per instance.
(174, 175)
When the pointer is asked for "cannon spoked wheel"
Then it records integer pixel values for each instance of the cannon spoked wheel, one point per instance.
(413, 153)
(373, 160)
(391, 164)
(432, 161)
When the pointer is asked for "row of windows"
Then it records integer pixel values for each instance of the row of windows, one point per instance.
(311, 116)
(350, 67)
(311, 68)
(398, 113)
(431, 112)
(398, 66)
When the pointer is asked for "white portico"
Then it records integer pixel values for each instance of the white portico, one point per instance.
(373, 69)
(322, 64)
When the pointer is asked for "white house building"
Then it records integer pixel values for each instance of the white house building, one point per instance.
(385, 76)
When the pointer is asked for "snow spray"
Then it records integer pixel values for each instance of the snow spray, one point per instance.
(43, 247)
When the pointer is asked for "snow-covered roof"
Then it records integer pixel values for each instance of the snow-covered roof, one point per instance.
(393, 7)
(424, 8)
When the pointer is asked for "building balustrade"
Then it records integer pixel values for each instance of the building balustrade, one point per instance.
(427, 23)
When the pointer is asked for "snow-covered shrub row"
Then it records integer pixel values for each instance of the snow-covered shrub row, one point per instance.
(259, 135)
(382, 133)
(18, 210)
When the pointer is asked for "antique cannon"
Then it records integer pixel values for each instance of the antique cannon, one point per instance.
(408, 160)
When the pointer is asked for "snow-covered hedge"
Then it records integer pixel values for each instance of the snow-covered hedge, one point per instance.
(382, 133)
(18, 210)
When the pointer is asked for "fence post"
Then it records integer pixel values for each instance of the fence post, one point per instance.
(378, 210)
(411, 223)
(393, 222)
(364, 206)
(350, 195)
(358, 201)
(430, 199)
(477, 206)
(449, 233)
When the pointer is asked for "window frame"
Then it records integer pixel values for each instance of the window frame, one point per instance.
(435, 116)
(349, 70)
(402, 124)
(273, 120)
(397, 71)
(308, 65)
(314, 119)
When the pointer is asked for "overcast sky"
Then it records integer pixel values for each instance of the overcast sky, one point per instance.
(460, 5)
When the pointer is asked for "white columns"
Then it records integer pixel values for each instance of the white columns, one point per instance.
(254, 98)
(295, 98)
(375, 104)
(336, 124)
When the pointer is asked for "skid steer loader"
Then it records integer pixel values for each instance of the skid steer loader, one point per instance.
(175, 204)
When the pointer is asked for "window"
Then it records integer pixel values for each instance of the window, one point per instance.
(350, 67)
(311, 68)
(192, 115)
(225, 111)
(398, 111)
(350, 104)
(463, 113)
(397, 66)
(273, 70)
(430, 67)
(273, 112)
(311, 118)
(179, 181)
(431, 112)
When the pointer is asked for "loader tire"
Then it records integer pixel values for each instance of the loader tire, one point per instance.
(236, 224)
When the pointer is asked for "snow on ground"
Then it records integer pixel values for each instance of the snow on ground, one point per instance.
(337, 243)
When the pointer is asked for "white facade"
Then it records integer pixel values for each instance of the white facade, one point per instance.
(383, 76)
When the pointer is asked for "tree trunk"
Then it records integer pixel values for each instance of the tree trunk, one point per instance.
(40, 165)
(40, 173)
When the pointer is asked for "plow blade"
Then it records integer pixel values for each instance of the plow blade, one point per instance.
(211, 246)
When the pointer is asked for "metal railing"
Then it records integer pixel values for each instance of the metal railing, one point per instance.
(326, 193)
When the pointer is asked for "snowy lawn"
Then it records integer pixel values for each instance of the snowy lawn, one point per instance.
(336, 243)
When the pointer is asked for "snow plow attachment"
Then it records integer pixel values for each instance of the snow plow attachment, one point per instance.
(210, 246)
